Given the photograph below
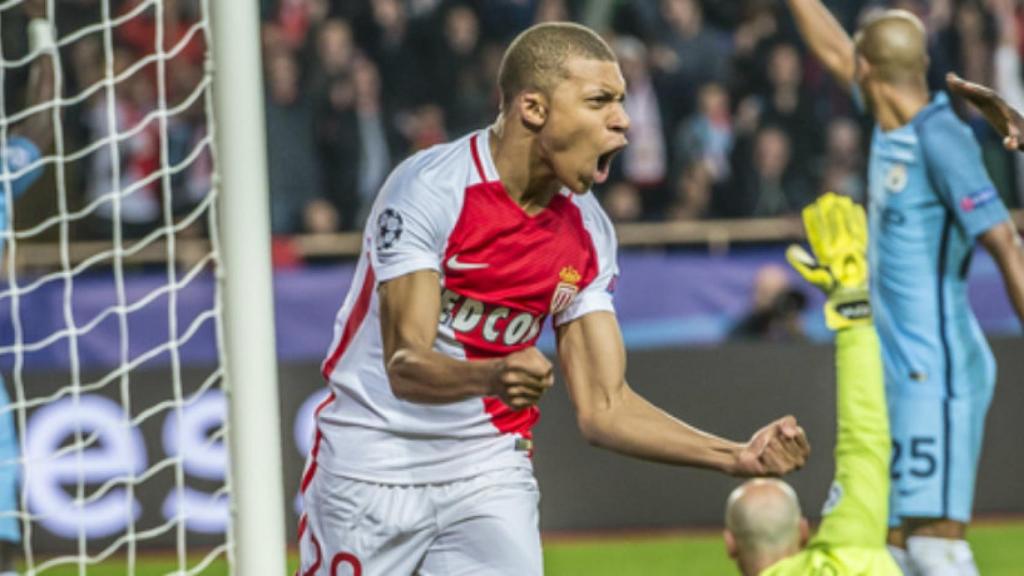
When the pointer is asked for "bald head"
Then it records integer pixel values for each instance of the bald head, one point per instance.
(894, 43)
(763, 516)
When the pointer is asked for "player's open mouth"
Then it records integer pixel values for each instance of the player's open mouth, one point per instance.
(604, 164)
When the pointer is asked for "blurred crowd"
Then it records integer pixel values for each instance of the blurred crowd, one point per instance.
(131, 106)
(730, 116)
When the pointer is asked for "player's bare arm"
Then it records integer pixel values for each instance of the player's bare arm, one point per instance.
(1007, 121)
(611, 415)
(409, 308)
(39, 126)
(827, 39)
(1004, 244)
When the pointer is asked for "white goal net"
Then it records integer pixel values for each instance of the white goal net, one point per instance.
(110, 316)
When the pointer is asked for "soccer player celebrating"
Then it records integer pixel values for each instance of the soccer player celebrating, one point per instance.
(930, 200)
(421, 461)
(765, 533)
(21, 149)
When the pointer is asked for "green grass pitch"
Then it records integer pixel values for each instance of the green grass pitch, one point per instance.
(997, 548)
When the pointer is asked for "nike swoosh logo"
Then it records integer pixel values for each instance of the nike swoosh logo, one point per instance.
(454, 264)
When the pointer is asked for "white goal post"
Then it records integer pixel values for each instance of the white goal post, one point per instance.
(258, 503)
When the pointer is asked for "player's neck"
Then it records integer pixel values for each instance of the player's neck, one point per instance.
(527, 180)
(754, 564)
(899, 105)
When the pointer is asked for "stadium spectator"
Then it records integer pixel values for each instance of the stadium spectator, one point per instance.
(776, 311)
(137, 156)
(293, 20)
(186, 133)
(390, 43)
(645, 162)
(843, 166)
(687, 53)
(180, 33)
(693, 194)
(425, 127)
(752, 40)
(788, 106)
(623, 203)
(766, 183)
(975, 58)
(295, 175)
(333, 90)
(317, 14)
(458, 81)
(707, 137)
(336, 122)
(375, 139)
(272, 40)
(334, 56)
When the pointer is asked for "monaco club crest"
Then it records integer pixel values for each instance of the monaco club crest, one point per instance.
(566, 290)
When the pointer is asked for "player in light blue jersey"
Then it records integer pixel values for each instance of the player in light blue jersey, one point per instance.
(19, 169)
(930, 201)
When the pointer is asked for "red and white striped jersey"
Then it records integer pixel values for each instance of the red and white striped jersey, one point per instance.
(502, 273)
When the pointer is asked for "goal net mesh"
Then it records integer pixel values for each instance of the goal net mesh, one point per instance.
(110, 317)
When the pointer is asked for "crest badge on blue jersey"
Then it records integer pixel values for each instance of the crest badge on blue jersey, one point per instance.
(896, 178)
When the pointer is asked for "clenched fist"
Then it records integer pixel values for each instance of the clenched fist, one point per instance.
(522, 378)
(777, 449)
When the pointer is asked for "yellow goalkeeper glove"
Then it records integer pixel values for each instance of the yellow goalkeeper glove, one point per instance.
(837, 233)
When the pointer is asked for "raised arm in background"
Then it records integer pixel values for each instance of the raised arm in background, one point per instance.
(826, 38)
(41, 83)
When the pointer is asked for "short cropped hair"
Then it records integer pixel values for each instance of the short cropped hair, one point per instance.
(535, 60)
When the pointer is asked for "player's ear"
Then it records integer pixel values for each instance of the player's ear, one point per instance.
(730, 543)
(805, 532)
(533, 109)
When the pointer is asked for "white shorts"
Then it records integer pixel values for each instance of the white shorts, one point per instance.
(481, 526)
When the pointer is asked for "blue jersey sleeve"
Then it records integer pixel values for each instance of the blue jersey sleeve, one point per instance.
(19, 154)
(953, 160)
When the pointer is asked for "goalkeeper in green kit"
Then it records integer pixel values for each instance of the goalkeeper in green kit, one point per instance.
(765, 532)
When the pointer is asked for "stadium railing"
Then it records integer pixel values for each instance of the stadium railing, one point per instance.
(716, 235)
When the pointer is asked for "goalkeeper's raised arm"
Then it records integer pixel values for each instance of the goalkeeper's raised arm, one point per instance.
(765, 532)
